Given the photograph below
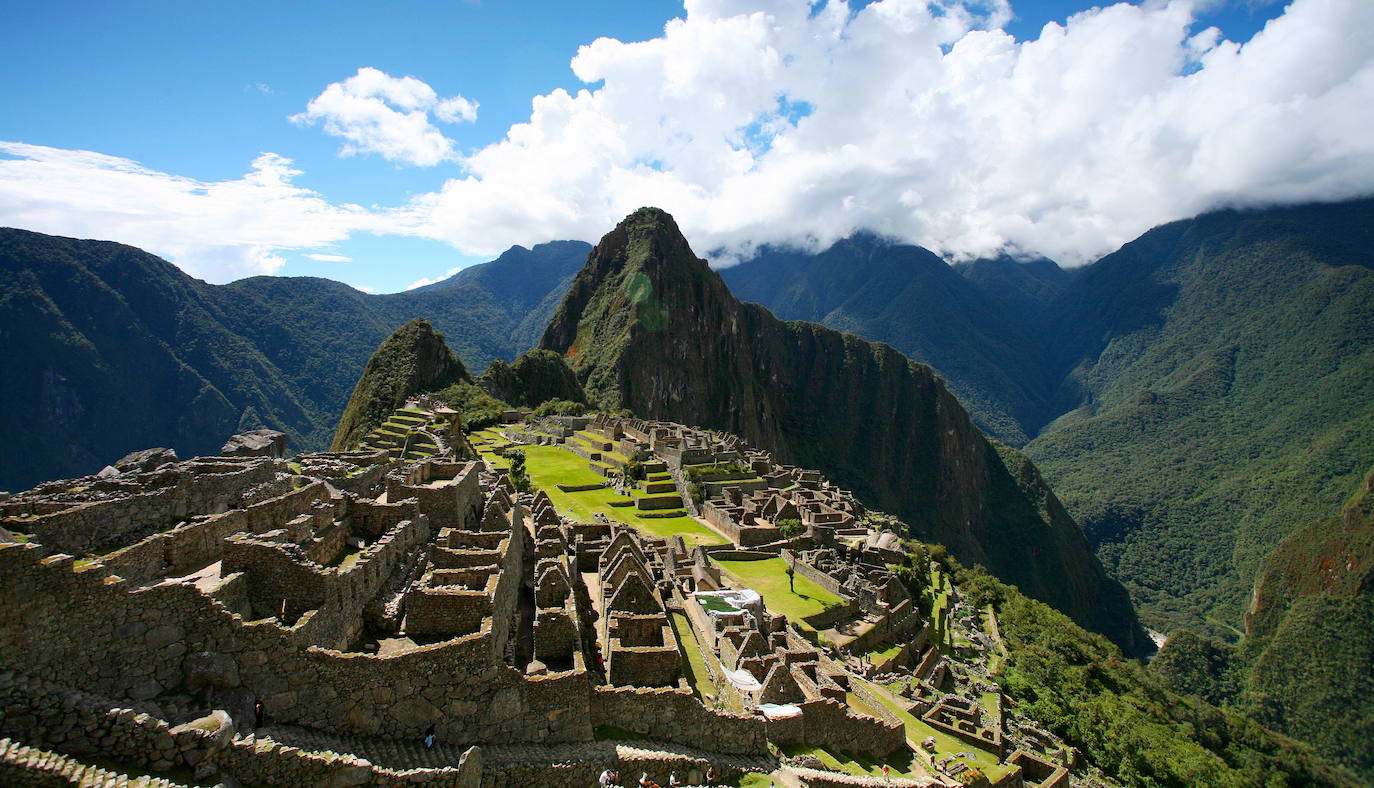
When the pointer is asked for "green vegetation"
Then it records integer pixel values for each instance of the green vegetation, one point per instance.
(902, 764)
(537, 378)
(549, 466)
(695, 662)
(1227, 374)
(157, 358)
(477, 409)
(945, 744)
(1121, 715)
(768, 576)
(413, 360)
(790, 527)
(1303, 667)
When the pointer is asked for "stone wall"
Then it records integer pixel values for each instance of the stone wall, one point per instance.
(99, 635)
(197, 487)
(827, 723)
(813, 574)
(675, 715)
(194, 544)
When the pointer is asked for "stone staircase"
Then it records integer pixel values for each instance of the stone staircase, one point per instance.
(21, 764)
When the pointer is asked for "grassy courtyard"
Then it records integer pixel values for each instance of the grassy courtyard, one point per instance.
(769, 577)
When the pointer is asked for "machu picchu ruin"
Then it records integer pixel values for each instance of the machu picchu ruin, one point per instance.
(311, 620)
(647, 553)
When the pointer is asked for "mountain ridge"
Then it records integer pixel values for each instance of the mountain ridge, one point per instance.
(116, 350)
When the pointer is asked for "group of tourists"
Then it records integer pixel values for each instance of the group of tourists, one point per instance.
(610, 777)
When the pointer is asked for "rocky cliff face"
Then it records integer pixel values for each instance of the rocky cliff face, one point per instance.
(648, 326)
(413, 359)
(1310, 635)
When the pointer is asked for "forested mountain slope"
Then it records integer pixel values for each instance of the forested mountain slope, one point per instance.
(1192, 397)
(1221, 376)
(111, 349)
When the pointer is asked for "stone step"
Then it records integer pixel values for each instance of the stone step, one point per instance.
(52, 765)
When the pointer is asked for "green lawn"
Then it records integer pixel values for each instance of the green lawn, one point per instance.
(549, 466)
(769, 577)
(884, 653)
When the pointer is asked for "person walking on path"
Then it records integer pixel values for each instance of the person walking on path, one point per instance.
(606, 779)
(429, 737)
(259, 713)
(710, 776)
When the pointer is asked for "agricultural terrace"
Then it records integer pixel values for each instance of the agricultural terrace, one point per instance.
(550, 466)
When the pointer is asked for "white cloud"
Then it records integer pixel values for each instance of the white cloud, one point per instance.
(375, 112)
(218, 231)
(925, 127)
(425, 280)
(363, 288)
(330, 258)
(767, 121)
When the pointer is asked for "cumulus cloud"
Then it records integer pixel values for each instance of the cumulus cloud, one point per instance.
(773, 121)
(375, 112)
(768, 121)
(425, 280)
(219, 231)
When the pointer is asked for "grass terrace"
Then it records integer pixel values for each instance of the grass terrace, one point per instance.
(591, 441)
(768, 576)
(695, 668)
(550, 466)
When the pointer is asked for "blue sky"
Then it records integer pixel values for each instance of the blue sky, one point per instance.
(195, 93)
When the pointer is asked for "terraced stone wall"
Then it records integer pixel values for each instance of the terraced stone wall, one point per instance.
(675, 715)
(198, 487)
(93, 633)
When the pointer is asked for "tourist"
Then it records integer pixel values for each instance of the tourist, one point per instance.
(645, 782)
(673, 781)
(259, 713)
(710, 776)
(429, 737)
(887, 776)
(606, 779)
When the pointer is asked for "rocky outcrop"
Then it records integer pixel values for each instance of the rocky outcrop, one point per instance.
(145, 460)
(257, 443)
(648, 326)
(414, 359)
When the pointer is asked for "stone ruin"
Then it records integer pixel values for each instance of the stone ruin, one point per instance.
(364, 600)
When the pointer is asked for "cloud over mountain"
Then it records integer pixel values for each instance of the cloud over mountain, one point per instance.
(772, 121)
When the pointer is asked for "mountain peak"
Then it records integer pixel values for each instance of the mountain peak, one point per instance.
(412, 360)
